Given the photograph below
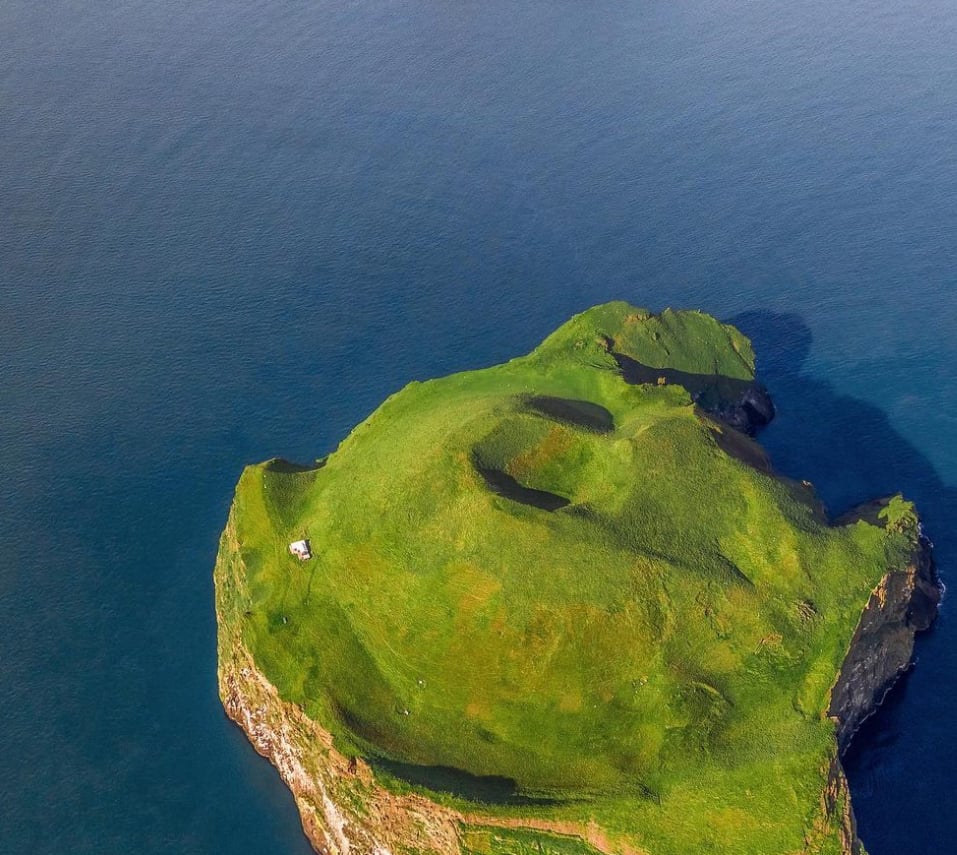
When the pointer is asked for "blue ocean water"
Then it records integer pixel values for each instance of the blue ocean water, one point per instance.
(229, 229)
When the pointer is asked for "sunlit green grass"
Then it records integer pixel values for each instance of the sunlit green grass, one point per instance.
(655, 654)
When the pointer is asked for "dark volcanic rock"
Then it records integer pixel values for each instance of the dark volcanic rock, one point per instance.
(751, 412)
(903, 604)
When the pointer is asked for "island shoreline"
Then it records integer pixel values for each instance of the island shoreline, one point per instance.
(344, 809)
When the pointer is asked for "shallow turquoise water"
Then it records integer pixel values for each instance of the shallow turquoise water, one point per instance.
(228, 230)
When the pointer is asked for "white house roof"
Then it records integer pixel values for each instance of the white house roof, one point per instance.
(300, 548)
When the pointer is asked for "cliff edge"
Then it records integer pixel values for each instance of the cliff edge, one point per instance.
(903, 604)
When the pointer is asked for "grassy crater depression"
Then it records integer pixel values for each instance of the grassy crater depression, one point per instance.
(558, 591)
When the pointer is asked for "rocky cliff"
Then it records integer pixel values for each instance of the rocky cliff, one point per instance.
(881, 650)
(343, 812)
(903, 604)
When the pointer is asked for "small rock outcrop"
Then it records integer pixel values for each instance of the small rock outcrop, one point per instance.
(749, 413)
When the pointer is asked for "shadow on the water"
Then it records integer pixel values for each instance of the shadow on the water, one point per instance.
(852, 453)
(847, 447)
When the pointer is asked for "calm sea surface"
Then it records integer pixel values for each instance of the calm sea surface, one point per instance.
(229, 229)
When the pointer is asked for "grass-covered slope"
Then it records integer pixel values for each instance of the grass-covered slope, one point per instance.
(559, 594)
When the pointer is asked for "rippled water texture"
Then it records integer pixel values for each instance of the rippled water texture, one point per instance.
(229, 229)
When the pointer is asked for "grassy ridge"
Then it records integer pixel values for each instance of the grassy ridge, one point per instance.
(565, 588)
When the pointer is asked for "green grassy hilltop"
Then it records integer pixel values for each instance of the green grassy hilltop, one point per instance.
(541, 590)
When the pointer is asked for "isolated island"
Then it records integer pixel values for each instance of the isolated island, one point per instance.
(564, 606)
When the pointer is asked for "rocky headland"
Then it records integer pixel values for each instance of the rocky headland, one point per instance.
(771, 618)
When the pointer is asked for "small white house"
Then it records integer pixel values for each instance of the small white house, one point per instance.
(300, 548)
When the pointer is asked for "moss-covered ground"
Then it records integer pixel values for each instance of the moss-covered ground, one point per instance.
(541, 588)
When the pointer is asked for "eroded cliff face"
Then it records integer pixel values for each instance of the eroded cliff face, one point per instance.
(903, 604)
(343, 812)
(881, 650)
(837, 810)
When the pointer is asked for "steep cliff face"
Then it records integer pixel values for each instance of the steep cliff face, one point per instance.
(343, 812)
(836, 823)
(903, 604)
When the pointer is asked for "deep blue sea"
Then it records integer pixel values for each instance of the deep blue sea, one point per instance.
(229, 228)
